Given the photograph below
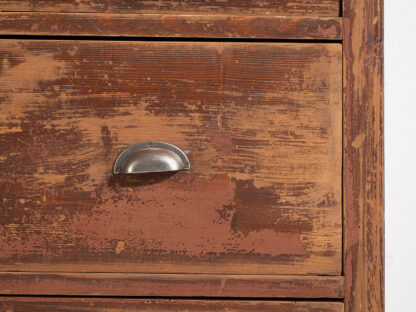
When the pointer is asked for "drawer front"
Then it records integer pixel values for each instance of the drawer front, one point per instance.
(247, 7)
(101, 305)
(261, 124)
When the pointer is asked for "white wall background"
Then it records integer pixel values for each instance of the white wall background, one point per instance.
(400, 154)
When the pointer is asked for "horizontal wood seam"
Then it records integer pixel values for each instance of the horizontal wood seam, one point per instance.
(171, 285)
(164, 25)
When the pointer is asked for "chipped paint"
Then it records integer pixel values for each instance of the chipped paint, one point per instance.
(264, 189)
(120, 247)
(358, 140)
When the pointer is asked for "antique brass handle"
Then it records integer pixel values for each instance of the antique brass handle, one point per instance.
(149, 157)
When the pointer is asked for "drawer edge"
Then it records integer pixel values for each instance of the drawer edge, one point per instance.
(171, 285)
(116, 304)
(164, 25)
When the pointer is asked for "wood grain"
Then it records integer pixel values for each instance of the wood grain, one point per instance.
(157, 25)
(262, 127)
(147, 305)
(171, 285)
(231, 7)
(363, 156)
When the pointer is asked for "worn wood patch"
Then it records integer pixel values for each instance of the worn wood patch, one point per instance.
(363, 156)
(173, 285)
(247, 7)
(261, 124)
(156, 25)
(99, 305)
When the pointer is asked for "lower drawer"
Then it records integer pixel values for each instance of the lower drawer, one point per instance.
(74, 304)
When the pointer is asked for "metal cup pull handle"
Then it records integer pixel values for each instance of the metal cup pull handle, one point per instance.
(150, 157)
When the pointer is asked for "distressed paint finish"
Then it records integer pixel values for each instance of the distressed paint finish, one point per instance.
(247, 7)
(261, 122)
(156, 25)
(172, 285)
(363, 156)
(148, 305)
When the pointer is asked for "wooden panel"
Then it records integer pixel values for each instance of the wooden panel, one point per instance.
(99, 305)
(173, 285)
(247, 7)
(154, 25)
(261, 122)
(364, 156)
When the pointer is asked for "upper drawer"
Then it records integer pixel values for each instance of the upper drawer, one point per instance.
(261, 124)
(247, 7)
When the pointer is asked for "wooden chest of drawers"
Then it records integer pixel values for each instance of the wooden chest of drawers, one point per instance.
(276, 106)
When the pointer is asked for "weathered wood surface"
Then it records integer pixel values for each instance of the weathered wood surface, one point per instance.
(156, 25)
(146, 305)
(247, 7)
(261, 122)
(173, 285)
(363, 156)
